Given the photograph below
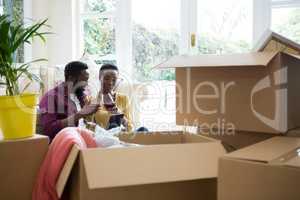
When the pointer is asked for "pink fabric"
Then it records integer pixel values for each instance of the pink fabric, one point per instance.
(56, 156)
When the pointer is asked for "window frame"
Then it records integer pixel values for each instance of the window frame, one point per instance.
(123, 27)
(188, 26)
(285, 3)
(1, 7)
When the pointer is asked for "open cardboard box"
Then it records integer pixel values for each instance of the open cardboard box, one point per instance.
(269, 170)
(171, 165)
(20, 161)
(249, 93)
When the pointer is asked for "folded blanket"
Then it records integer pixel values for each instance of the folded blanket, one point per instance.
(57, 154)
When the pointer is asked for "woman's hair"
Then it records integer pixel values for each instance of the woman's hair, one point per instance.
(74, 68)
(109, 66)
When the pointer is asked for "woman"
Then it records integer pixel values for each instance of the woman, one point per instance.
(114, 106)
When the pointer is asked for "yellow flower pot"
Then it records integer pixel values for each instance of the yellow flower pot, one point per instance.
(18, 115)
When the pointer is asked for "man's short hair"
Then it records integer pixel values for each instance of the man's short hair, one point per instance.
(74, 68)
(109, 66)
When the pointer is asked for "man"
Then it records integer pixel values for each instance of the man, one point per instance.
(65, 104)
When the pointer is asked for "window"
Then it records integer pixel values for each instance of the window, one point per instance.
(226, 28)
(159, 29)
(286, 19)
(98, 36)
(139, 34)
(155, 37)
(98, 24)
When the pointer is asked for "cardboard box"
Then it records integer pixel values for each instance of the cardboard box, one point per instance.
(171, 165)
(253, 92)
(269, 170)
(20, 162)
(271, 41)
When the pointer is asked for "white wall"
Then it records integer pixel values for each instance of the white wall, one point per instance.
(60, 46)
(38, 12)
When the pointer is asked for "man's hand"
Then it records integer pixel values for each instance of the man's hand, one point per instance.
(85, 111)
(88, 110)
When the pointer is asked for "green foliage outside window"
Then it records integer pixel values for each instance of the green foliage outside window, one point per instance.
(14, 8)
(99, 36)
(148, 48)
(291, 27)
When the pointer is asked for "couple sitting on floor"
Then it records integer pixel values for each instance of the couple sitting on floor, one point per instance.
(67, 103)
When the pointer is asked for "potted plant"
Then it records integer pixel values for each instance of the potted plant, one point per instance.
(17, 109)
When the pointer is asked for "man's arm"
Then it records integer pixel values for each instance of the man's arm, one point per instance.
(84, 112)
(50, 125)
(49, 116)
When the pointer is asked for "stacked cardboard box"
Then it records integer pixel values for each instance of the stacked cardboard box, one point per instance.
(20, 161)
(269, 170)
(240, 99)
(244, 99)
(272, 167)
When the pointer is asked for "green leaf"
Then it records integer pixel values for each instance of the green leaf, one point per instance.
(12, 36)
(30, 32)
(26, 86)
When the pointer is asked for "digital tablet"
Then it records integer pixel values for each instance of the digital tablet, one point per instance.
(115, 120)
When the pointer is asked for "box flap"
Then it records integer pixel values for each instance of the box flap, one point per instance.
(268, 150)
(151, 164)
(66, 170)
(246, 59)
(270, 36)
